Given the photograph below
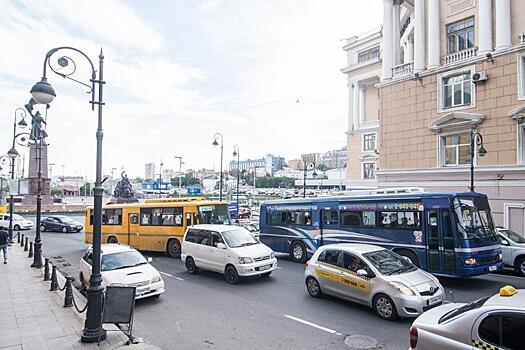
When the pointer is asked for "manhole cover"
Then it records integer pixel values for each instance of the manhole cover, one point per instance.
(361, 342)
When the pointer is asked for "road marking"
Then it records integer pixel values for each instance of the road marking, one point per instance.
(167, 274)
(331, 331)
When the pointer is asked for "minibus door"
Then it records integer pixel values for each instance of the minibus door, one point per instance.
(440, 241)
(133, 230)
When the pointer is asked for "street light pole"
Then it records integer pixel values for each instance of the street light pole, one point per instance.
(476, 142)
(44, 93)
(236, 153)
(305, 173)
(215, 143)
(180, 172)
(160, 179)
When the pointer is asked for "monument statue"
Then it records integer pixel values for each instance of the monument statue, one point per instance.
(37, 132)
(123, 190)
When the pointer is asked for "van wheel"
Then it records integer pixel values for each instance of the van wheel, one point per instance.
(385, 307)
(298, 252)
(112, 239)
(520, 266)
(410, 256)
(231, 275)
(190, 266)
(313, 287)
(174, 248)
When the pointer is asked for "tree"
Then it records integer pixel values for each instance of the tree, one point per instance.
(57, 191)
(85, 190)
(271, 182)
(185, 181)
(322, 167)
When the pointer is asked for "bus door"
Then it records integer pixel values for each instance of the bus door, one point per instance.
(190, 216)
(329, 220)
(133, 230)
(440, 241)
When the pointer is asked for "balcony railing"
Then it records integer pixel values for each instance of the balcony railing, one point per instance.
(461, 55)
(403, 69)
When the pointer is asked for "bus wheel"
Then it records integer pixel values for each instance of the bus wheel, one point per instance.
(298, 252)
(410, 256)
(112, 239)
(174, 248)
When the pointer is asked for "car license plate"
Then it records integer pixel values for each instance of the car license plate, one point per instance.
(493, 268)
(434, 300)
(143, 291)
(265, 267)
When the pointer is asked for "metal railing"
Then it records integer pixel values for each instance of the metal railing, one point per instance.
(403, 69)
(461, 55)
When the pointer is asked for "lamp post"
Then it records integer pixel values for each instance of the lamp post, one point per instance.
(180, 172)
(236, 153)
(160, 179)
(44, 93)
(307, 165)
(476, 143)
(218, 136)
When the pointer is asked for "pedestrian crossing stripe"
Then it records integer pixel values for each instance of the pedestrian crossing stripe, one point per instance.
(478, 344)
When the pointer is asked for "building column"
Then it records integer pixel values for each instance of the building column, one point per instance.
(419, 36)
(356, 105)
(409, 50)
(387, 39)
(396, 34)
(434, 51)
(362, 103)
(503, 33)
(485, 26)
(351, 102)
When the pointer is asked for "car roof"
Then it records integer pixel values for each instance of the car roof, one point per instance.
(110, 248)
(358, 248)
(216, 228)
(516, 300)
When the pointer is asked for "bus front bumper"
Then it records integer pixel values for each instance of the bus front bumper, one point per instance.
(480, 270)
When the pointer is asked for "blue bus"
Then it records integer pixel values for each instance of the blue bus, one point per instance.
(448, 234)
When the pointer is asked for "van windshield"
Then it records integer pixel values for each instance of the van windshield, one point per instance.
(239, 238)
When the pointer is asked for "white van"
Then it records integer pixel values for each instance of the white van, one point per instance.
(231, 250)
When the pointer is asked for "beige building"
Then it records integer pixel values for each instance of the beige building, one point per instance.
(451, 69)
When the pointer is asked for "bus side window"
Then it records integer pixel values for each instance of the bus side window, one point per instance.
(330, 217)
(188, 219)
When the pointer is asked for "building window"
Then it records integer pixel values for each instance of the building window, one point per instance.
(368, 55)
(369, 170)
(460, 35)
(369, 142)
(456, 149)
(457, 90)
(521, 76)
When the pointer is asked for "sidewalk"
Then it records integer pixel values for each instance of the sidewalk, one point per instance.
(32, 317)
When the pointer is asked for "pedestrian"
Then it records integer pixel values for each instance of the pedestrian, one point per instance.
(3, 243)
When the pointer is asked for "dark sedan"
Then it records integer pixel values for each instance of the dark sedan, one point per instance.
(60, 223)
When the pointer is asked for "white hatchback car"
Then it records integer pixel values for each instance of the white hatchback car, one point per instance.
(19, 223)
(121, 265)
(231, 250)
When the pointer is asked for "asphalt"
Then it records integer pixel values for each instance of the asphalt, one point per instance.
(202, 311)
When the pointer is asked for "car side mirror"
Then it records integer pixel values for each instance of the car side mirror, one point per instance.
(221, 245)
(150, 259)
(362, 272)
(505, 242)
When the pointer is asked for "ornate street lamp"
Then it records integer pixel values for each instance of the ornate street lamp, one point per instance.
(307, 166)
(476, 143)
(44, 93)
(218, 136)
(236, 153)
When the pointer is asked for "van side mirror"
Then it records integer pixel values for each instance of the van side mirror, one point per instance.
(150, 259)
(221, 245)
(505, 242)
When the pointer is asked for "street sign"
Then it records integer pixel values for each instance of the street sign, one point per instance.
(18, 187)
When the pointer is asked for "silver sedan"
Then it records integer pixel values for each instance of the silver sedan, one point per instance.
(374, 276)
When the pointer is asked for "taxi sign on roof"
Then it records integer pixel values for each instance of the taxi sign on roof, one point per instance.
(507, 291)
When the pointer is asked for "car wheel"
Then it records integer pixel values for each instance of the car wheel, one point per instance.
(64, 229)
(298, 252)
(174, 248)
(385, 307)
(231, 275)
(520, 266)
(313, 287)
(410, 256)
(190, 266)
(16, 228)
(42, 228)
(112, 239)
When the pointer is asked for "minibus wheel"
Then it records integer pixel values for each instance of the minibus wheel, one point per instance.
(231, 274)
(298, 252)
(112, 239)
(174, 248)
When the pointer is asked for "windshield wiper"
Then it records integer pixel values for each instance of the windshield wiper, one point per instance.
(401, 269)
(247, 244)
(141, 263)
(122, 267)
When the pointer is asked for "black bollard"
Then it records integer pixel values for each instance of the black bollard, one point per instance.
(46, 270)
(18, 237)
(22, 241)
(30, 255)
(54, 280)
(68, 299)
(26, 245)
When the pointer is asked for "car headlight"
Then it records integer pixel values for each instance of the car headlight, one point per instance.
(156, 279)
(245, 260)
(402, 288)
(471, 261)
(272, 255)
(499, 256)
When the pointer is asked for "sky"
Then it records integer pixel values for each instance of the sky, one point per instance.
(263, 73)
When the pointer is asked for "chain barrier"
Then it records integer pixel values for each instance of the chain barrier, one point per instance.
(69, 297)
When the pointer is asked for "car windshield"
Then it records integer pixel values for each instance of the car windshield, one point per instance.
(472, 306)
(17, 217)
(474, 218)
(214, 214)
(122, 260)
(65, 219)
(389, 263)
(238, 238)
(513, 236)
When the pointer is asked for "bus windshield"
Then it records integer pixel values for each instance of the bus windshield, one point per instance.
(474, 218)
(214, 214)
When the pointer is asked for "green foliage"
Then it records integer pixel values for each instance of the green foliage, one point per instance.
(322, 167)
(85, 190)
(271, 182)
(57, 191)
(185, 181)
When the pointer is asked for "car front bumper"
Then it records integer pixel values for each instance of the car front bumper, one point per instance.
(415, 305)
(156, 288)
(256, 268)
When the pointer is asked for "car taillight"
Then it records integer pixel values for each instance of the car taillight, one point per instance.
(413, 337)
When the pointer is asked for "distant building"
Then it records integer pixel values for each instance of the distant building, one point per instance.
(311, 158)
(295, 164)
(167, 175)
(335, 159)
(149, 171)
(270, 163)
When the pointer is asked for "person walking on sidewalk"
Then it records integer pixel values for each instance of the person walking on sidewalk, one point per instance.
(3, 243)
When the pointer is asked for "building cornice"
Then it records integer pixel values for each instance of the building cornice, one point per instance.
(360, 65)
(374, 34)
(454, 170)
